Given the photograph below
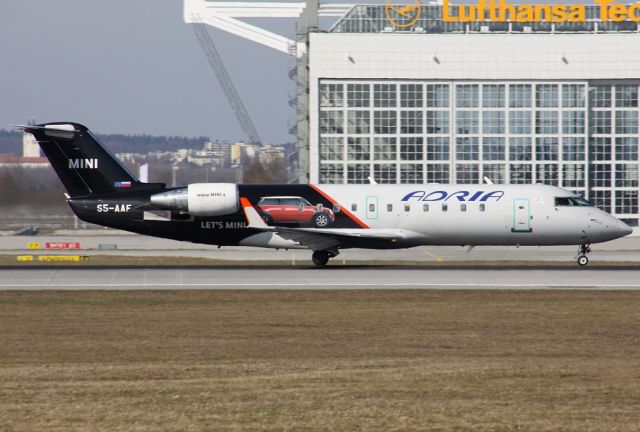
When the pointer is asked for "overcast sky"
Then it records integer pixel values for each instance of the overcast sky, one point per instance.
(133, 66)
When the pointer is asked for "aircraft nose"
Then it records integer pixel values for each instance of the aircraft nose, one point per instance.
(624, 229)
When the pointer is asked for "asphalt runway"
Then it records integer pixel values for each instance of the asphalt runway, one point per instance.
(353, 277)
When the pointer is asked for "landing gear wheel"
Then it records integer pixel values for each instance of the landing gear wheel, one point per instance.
(320, 258)
(321, 219)
(583, 260)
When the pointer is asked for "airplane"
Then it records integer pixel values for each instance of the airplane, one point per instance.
(323, 218)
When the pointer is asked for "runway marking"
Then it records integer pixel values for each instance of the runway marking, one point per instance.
(434, 256)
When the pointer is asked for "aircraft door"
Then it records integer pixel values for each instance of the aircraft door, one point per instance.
(372, 207)
(521, 215)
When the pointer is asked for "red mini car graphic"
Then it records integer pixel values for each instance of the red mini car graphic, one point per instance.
(294, 209)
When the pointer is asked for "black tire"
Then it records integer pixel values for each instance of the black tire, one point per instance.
(267, 218)
(321, 219)
(583, 260)
(320, 258)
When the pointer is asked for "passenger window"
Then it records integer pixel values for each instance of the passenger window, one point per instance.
(372, 207)
(463, 207)
(354, 207)
(481, 207)
(425, 207)
(444, 207)
(389, 207)
(407, 207)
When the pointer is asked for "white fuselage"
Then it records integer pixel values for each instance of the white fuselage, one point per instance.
(491, 214)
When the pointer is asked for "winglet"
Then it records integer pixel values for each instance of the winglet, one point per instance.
(254, 219)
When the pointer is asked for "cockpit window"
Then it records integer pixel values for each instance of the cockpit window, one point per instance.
(572, 202)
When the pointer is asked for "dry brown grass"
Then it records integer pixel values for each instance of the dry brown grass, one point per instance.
(330, 360)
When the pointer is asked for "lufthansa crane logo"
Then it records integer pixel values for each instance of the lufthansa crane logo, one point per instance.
(403, 16)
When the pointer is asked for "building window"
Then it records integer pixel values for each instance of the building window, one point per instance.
(358, 148)
(546, 122)
(331, 95)
(547, 95)
(547, 174)
(573, 95)
(573, 149)
(411, 173)
(493, 95)
(573, 176)
(626, 96)
(627, 202)
(601, 199)
(520, 95)
(467, 96)
(385, 122)
(494, 172)
(410, 122)
(331, 122)
(331, 173)
(627, 148)
(438, 95)
(493, 122)
(358, 95)
(601, 175)
(520, 149)
(385, 173)
(467, 122)
(467, 173)
(627, 122)
(384, 95)
(547, 149)
(437, 173)
(573, 122)
(437, 122)
(601, 96)
(493, 148)
(520, 122)
(331, 148)
(520, 174)
(358, 173)
(411, 95)
(437, 148)
(601, 122)
(384, 148)
(601, 149)
(358, 122)
(626, 175)
(467, 148)
(411, 148)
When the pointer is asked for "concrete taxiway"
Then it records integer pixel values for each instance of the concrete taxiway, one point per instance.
(354, 277)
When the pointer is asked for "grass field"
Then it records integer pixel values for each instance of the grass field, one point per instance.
(329, 361)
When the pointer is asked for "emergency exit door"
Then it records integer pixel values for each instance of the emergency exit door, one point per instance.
(521, 215)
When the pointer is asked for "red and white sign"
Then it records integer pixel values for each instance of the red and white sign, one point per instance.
(61, 245)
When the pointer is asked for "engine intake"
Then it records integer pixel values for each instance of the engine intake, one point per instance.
(201, 199)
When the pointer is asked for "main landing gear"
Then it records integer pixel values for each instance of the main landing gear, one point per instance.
(582, 259)
(321, 257)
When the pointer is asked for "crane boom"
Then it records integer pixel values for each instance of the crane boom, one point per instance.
(215, 61)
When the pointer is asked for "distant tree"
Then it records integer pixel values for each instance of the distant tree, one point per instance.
(273, 172)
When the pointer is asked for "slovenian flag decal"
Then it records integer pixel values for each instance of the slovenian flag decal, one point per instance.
(123, 184)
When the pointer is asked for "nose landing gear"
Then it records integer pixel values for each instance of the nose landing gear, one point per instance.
(582, 259)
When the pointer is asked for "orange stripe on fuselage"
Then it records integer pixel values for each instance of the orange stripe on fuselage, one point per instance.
(342, 208)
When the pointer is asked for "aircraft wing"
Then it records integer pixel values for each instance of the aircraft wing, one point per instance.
(327, 238)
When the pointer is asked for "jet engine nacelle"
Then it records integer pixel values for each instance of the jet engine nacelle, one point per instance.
(201, 199)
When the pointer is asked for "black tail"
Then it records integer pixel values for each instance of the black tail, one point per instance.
(84, 165)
